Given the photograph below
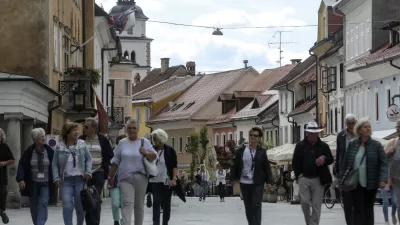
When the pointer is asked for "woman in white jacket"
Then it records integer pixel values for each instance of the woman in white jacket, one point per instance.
(221, 176)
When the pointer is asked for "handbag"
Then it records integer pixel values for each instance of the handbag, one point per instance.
(351, 180)
(90, 198)
(149, 166)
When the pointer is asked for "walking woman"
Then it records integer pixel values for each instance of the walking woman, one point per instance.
(72, 166)
(162, 184)
(6, 159)
(128, 159)
(115, 192)
(393, 151)
(204, 178)
(366, 155)
(251, 167)
(221, 175)
(35, 174)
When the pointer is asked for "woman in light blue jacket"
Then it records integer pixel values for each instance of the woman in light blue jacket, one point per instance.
(72, 166)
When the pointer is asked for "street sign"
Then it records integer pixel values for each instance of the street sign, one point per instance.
(52, 140)
(393, 113)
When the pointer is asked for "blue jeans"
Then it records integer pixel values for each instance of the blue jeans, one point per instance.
(38, 203)
(203, 190)
(116, 203)
(385, 201)
(71, 196)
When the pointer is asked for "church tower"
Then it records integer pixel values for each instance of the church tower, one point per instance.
(135, 44)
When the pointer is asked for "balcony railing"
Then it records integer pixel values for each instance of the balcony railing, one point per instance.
(76, 94)
(117, 116)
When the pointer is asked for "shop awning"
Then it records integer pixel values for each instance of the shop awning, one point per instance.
(383, 134)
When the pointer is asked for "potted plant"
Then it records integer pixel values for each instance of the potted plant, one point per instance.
(78, 73)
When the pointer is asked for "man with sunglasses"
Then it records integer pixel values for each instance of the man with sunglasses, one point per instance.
(251, 167)
(101, 153)
(342, 142)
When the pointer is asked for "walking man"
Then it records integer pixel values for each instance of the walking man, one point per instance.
(102, 153)
(342, 142)
(311, 158)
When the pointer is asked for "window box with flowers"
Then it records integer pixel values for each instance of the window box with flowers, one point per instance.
(79, 73)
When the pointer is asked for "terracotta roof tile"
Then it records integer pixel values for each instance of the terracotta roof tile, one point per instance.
(269, 114)
(309, 76)
(193, 99)
(163, 86)
(385, 53)
(268, 78)
(304, 107)
(155, 76)
(296, 71)
(223, 118)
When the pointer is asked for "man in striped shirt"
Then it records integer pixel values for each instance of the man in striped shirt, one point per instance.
(101, 153)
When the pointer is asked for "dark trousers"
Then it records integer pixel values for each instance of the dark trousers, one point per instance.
(92, 216)
(161, 196)
(3, 197)
(363, 200)
(252, 198)
(221, 190)
(348, 207)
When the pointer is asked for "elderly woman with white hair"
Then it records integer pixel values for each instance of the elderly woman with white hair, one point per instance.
(132, 176)
(35, 175)
(366, 156)
(6, 158)
(161, 185)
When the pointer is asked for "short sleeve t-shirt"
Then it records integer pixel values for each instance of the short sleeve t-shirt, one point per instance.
(5, 155)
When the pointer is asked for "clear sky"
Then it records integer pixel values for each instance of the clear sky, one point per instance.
(217, 53)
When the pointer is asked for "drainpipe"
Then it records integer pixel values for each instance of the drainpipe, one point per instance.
(294, 124)
(316, 85)
(50, 109)
(102, 70)
(151, 129)
(84, 33)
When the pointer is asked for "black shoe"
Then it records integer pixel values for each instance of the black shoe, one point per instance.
(149, 203)
(116, 222)
(4, 217)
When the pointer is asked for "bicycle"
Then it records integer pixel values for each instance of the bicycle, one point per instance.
(329, 201)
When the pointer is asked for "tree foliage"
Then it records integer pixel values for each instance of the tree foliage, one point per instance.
(193, 148)
(204, 142)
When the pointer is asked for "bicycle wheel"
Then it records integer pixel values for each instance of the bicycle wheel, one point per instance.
(328, 201)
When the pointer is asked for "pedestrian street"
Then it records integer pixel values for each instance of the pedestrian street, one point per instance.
(212, 211)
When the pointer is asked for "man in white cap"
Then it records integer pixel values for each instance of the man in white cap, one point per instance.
(311, 159)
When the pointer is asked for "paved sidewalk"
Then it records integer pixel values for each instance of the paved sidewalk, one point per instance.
(211, 212)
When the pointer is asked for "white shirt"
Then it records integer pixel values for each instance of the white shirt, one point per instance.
(162, 176)
(70, 170)
(221, 175)
(248, 171)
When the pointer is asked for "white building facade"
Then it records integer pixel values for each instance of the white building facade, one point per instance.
(136, 46)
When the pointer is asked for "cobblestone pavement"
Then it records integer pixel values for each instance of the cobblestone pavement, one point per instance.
(230, 212)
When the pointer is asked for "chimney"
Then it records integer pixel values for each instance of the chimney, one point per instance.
(295, 61)
(164, 64)
(245, 63)
(191, 67)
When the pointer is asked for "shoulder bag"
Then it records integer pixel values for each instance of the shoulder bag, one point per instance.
(351, 181)
(90, 198)
(149, 166)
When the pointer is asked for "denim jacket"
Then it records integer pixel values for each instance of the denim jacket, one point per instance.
(61, 155)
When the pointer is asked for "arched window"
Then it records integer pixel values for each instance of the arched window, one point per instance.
(133, 56)
(126, 55)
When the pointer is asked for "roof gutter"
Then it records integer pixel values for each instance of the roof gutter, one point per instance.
(393, 65)
(293, 105)
(316, 84)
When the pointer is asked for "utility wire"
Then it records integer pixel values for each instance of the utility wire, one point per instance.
(266, 27)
